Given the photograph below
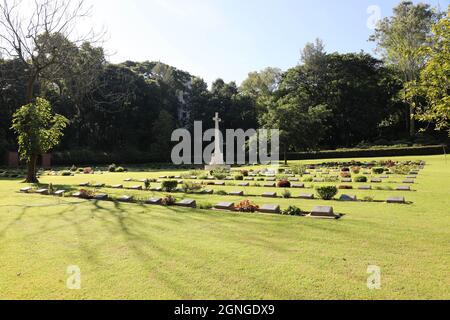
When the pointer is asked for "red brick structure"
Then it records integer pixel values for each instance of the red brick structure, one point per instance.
(46, 161)
(12, 159)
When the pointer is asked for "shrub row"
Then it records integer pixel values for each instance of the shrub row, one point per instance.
(368, 153)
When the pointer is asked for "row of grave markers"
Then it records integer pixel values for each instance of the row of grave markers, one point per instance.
(325, 212)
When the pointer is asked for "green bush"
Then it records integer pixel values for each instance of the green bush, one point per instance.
(378, 170)
(361, 179)
(239, 177)
(308, 179)
(292, 211)
(112, 168)
(190, 187)
(219, 174)
(286, 194)
(66, 173)
(299, 169)
(327, 193)
(169, 185)
(73, 168)
(120, 169)
(168, 201)
(205, 206)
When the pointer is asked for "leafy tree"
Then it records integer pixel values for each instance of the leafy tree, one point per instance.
(163, 128)
(355, 89)
(40, 40)
(434, 81)
(264, 82)
(301, 125)
(38, 131)
(399, 39)
(313, 55)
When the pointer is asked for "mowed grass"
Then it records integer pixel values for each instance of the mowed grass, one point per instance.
(131, 251)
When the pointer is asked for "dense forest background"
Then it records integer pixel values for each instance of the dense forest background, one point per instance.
(327, 101)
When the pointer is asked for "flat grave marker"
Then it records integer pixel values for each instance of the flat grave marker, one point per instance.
(154, 201)
(188, 203)
(324, 212)
(225, 206)
(346, 197)
(399, 200)
(42, 191)
(269, 195)
(100, 196)
(60, 193)
(125, 198)
(270, 208)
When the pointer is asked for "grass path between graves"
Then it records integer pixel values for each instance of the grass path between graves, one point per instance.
(129, 251)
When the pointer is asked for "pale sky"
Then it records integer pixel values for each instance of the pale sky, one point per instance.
(230, 38)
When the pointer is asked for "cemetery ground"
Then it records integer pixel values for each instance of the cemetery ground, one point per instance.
(139, 251)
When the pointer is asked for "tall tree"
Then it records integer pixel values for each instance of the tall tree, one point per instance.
(38, 131)
(434, 82)
(260, 83)
(41, 39)
(400, 37)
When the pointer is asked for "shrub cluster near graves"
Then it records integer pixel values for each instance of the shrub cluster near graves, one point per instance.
(328, 192)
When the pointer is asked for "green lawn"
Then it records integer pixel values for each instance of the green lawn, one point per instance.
(131, 251)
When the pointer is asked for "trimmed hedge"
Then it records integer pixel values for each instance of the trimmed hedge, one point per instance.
(368, 153)
(85, 157)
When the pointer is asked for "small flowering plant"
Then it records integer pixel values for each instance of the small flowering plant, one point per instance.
(246, 206)
(86, 194)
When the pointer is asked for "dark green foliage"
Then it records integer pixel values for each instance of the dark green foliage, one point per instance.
(360, 179)
(147, 184)
(219, 174)
(168, 201)
(169, 185)
(286, 194)
(327, 193)
(378, 170)
(190, 187)
(292, 211)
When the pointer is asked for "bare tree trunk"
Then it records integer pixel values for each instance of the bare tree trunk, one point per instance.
(30, 88)
(31, 167)
(31, 164)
